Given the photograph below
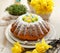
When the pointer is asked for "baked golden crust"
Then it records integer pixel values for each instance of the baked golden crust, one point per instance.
(27, 35)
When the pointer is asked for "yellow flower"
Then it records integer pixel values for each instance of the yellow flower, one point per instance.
(28, 52)
(34, 51)
(42, 6)
(17, 48)
(42, 47)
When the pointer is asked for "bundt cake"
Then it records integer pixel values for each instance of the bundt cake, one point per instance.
(30, 27)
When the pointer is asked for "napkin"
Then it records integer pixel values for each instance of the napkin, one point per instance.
(4, 49)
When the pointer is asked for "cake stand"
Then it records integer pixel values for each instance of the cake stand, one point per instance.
(29, 44)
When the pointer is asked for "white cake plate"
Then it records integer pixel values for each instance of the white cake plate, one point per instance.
(29, 44)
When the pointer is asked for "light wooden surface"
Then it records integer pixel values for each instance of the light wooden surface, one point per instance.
(54, 19)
